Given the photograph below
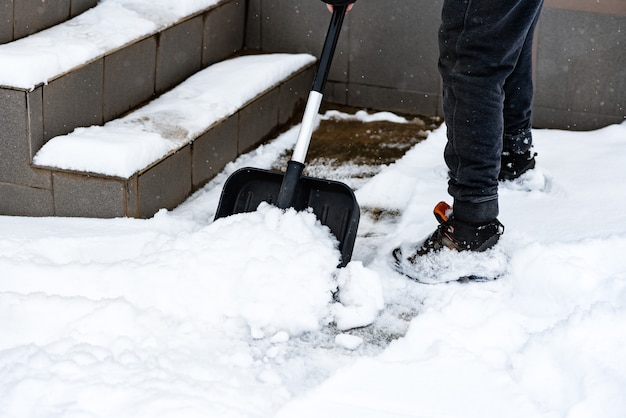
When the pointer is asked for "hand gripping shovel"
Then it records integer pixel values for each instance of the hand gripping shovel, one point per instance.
(332, 202)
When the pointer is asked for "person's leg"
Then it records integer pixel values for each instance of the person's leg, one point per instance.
(481, 43)
(518, 97)
(517, 157)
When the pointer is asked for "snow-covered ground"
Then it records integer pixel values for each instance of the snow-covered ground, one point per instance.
(180, 316)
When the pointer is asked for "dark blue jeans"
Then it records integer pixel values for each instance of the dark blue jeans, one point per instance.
(486, 67)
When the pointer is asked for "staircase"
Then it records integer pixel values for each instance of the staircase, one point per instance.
(118, 108)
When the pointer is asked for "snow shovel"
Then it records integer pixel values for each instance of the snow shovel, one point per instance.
(332, 202)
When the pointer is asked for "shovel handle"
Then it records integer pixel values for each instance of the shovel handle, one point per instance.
(321, 75)
(328, 51)
(291, 179)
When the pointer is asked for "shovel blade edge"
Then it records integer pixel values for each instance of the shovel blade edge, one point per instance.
(332, 202)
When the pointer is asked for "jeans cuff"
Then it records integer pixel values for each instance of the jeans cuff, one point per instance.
(480, 212)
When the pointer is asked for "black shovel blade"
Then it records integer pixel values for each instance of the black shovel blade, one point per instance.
(332, 202)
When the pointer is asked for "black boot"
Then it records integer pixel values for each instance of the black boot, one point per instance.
(455, 235)
(514, 165)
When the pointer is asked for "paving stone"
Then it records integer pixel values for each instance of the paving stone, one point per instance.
(32, 16)
(179, 53)
(166, 184)
(294, 94)
(80, 6)
(213, 150)
(14, 151)
(73, 100)
(6, 21)
(132, 193)
(89, 196)
(129, 76)
(15, 135)
(18, 200)
(34, 114)
(258, 120)
(253, 25)
(224, 29)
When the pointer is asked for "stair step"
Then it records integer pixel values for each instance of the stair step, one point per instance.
(128, 145)
(114, 57)
(157, 155)
(95, 68)
(21, 18)
(111, 25)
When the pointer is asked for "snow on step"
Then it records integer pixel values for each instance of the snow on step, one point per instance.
(112, 24)
(124, 146)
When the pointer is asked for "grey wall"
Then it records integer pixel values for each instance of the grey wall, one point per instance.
(580, 69)
(387, 56)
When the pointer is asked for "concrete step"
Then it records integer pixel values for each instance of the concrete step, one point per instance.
(112, 58)
(157, 155)
(94, 68)
(20, 18)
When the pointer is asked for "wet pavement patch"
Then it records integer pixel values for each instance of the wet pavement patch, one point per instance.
(344, 149)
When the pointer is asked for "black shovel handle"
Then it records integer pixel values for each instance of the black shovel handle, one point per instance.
(330, 44)
(289, 186)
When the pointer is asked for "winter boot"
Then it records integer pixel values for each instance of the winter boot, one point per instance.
(514, 165)
(455, 235)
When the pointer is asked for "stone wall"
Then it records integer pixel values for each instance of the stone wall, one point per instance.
(387, 56)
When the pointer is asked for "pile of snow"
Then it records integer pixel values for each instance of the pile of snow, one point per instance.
(247, 316)
(111, 24)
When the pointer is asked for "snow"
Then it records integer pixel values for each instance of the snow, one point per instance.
(124, 146)
(182, 316)
(248, 316)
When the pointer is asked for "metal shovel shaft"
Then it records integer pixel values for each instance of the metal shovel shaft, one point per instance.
(296, 165)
